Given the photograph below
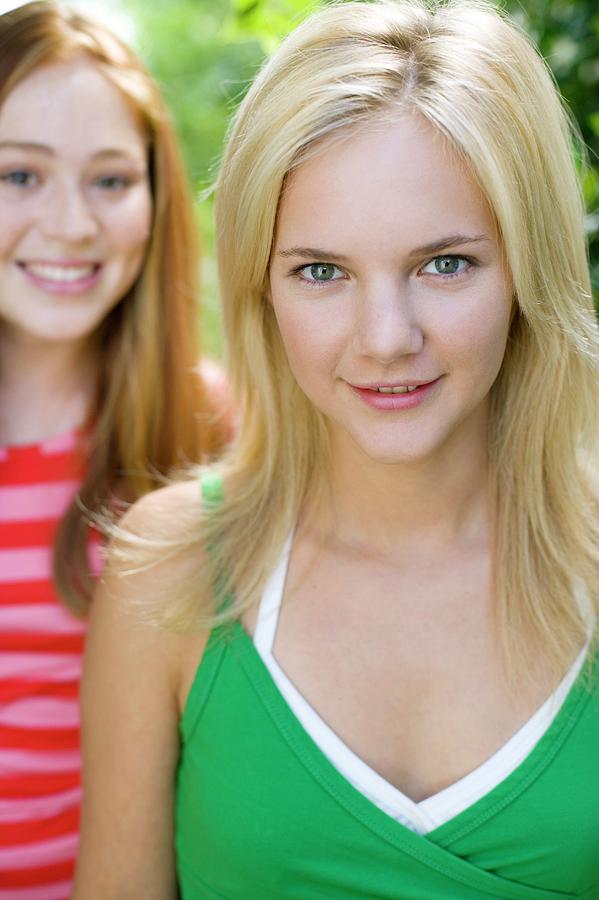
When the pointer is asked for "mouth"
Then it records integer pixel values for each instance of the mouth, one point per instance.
(60, 273)
(395, 397)
(403, 388)
(67, 278)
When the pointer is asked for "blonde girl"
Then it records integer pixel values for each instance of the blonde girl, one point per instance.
(374, 673)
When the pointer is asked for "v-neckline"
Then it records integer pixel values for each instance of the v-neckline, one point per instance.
(420, 816)
(500, 795)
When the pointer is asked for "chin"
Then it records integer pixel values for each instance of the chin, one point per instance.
(68, 333)
(396, 454)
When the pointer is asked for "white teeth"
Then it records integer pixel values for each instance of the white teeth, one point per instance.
(397, 390)
(60, 273)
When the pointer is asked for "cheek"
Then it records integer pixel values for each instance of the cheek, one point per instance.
(130, 226)
(478, 345)
(311, 334)
(14, 223)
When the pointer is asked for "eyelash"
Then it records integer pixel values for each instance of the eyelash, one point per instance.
(313, 283)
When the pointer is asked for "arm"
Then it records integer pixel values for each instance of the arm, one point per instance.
(131, 700)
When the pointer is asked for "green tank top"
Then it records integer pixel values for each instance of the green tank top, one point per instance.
(262, 814)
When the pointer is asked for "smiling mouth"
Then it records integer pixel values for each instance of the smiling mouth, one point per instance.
(395, 397)
(60, 274)
(397, 390)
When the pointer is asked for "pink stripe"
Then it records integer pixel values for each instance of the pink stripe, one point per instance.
(60, 443)
(59, 668)
(44, 853)
(18, 761)
(35, 502)
(95, 556)
(27, 564)
(39, 618)
(40, 712)
(59, 891)
(27, 809)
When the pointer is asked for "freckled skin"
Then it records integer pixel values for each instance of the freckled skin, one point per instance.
(385, 313)
(71, 200)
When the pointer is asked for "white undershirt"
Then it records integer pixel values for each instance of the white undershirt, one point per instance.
(440, 808)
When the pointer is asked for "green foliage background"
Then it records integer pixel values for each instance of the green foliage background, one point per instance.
(205, 52)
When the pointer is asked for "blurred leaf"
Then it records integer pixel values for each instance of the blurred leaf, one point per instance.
(593, 120)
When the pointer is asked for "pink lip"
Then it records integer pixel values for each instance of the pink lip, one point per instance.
(52, 286)
(394, 402)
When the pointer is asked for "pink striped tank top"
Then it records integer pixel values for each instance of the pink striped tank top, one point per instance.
(40, 663)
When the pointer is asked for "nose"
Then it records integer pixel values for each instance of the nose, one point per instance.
(68, 215)
(387, 322)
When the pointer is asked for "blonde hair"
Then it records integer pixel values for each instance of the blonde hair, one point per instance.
(475, 77)
(150, 412)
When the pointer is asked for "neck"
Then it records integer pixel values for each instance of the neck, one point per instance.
(411, 508)
(45, 388)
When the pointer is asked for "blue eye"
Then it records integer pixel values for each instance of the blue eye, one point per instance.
(447, 265)
(19, 178)
(320, 272)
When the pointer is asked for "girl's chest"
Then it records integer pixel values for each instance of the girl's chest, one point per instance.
(404, 669)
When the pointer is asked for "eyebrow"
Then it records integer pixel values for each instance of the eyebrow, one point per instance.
(312, 253)
(452, 240)
(25, 145)
(108, 152)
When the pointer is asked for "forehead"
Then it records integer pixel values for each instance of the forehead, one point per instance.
(392, 183)
(69, 104)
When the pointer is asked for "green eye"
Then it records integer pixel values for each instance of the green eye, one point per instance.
(322, 272)
(446, 265)
(319, 274)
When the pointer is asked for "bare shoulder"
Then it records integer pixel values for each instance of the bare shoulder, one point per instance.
(148, 515)
(219, 396)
